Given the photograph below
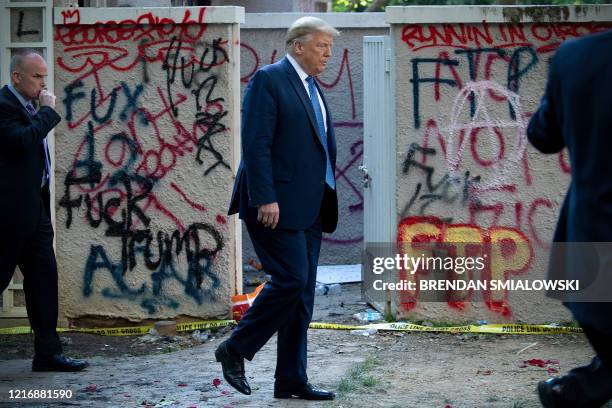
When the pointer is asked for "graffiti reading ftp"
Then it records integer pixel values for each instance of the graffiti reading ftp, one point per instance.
(508, 251)
(519, 63)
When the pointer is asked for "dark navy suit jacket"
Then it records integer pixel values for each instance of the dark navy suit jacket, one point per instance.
(22, 160)
(576, 112)
(283, 159)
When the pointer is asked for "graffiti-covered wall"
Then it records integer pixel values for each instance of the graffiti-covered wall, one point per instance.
(145, 157)
(464, 95)
(342, 82)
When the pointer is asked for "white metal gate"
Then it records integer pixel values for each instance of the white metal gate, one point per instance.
(378, 148)
(379, 141)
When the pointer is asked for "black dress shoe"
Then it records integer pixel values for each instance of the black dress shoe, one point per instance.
(58, 362)
(551, 393)
(304, 391)
(565, 392)
(233, 369)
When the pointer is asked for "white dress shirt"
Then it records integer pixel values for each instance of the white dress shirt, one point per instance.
(25, 102)
(303, 75)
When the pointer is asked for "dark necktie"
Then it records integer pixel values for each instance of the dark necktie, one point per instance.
(316, 106)
(46, 176)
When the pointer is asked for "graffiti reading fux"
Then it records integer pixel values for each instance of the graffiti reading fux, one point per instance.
(145, 105)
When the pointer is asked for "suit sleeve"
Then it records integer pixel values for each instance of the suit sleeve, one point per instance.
(18, 136)
(258, 126)
(544, 130)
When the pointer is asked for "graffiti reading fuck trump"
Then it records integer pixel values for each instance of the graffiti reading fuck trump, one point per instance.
(145, 106)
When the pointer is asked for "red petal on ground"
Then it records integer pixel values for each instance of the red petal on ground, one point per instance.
(536, 362)
(216, 382)
(91, 387)
(552, 370)
(182, 384)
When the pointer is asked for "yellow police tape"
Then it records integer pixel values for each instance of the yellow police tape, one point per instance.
(128, 331)
(485, 328)
(407, 327)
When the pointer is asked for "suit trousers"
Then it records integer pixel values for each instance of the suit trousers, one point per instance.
(285, 304)
(600, 341)
(35, 257)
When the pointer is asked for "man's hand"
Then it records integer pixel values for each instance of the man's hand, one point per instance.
(46, 98)
(268, 214)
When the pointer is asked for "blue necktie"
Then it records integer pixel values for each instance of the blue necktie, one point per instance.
(32, 111)
(314, 100)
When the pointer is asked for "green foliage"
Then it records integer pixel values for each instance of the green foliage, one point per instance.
(357, 377)
(487, 2)
(343, 6)
(390, 317)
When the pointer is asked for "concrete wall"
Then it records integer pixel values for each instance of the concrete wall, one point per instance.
(250, 6)
(263, 43)
(468, 80)
(275, 6)
(145, 157)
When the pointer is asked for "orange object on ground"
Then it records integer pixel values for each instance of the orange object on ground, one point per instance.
(241, 303)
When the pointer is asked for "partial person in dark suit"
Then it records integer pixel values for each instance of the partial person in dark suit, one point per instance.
(26, 237)
(576, 112)
(285, 191)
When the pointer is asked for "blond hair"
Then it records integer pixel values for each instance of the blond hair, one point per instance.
(303, 28)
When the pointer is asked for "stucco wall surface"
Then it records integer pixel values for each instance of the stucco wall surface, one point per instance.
(465, 91)
(144, 159)
(270, 6)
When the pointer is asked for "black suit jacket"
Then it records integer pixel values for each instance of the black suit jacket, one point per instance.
(283, 159)
(22, 160)
(576, 112)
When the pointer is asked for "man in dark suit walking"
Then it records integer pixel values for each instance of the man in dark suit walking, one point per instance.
(285, 191)
(26, 237)
(575, 112)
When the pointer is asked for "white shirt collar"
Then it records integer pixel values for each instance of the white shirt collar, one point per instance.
(303, 75)
(20, 97)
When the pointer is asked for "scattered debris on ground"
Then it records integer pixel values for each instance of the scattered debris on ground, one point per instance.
(380, 369)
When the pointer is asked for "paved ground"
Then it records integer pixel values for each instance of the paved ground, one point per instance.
(384, 370)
